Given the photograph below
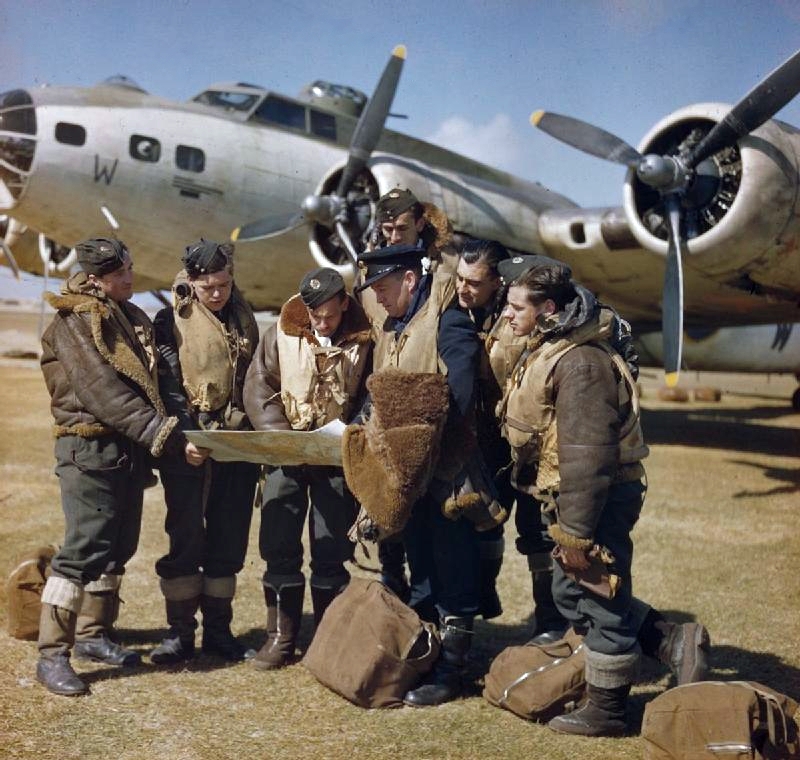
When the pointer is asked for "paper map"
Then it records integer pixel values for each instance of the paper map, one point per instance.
(275, 447)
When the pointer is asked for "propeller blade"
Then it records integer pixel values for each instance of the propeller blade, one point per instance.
(759, 105)
(344, 236)
(269, 226)
(370, 123)
(672, 294)
(586, 137)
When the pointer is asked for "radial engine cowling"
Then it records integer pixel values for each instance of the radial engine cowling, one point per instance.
(740, 209)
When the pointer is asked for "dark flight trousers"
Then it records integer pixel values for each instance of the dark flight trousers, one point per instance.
(443, 558)
(102, 486)
(288, 494)
(210, 537)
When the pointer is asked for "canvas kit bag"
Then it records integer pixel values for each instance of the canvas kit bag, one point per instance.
(370, 647)
(538, 681)
(24, 592)
(717, 719)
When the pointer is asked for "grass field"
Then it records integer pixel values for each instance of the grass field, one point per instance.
(718, 541)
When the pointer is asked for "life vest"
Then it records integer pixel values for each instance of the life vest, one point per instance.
(209, 350)
(416, 348)
(319, 384)
(528, 415)
(502, 352)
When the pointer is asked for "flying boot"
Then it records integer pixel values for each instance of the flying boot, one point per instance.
(550, 625)
(95, 625)
(182, 600)
(61, 601)
(284, 598)
(682, 647)
(323, 592)
(216, 606)
(444, 682)
(491, 560)
(608, 683)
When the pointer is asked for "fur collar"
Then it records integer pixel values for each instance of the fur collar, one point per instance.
(108, 338)
(438, 231)
(294, 321)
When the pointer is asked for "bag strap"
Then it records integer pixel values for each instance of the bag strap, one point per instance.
(409, 646)
(503, 701)
(771, 705)
(426, 654)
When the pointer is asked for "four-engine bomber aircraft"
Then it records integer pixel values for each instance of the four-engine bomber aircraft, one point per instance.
(708, 230)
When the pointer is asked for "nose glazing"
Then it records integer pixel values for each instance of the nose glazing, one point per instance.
(17, 140)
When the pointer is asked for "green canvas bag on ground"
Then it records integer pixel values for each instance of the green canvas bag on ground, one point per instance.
(718, 719)
(538, 681)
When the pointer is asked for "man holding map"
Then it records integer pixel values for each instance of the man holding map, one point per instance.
(309, 370)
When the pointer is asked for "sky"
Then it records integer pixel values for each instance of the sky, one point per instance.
(475, 69)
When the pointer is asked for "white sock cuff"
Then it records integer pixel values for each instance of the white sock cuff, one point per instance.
(64, 593)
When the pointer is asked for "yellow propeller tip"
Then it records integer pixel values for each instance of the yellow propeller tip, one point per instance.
(536, 117)
(671, 379)
(235, 234)
(399, 52)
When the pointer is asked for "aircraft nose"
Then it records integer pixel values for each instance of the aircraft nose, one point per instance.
(17, 144)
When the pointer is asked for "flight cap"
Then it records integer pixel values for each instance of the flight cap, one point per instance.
(319, 286)
(206, 257)
(99, 256)
(512, 268)
(394, 203)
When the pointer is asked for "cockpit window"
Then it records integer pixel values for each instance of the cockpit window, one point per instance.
(17, 115)
(323, 124)
(230, 101)
(70, 134)
(280, 111)
(190, 159)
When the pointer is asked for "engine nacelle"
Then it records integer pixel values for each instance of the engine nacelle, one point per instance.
(742, 209)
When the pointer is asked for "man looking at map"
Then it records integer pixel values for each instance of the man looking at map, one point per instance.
(309, 369)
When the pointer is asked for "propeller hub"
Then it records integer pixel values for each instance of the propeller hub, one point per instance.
(322, 209)
(665, 173)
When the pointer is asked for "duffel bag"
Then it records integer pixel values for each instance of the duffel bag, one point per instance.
(538, 681)
(719, 719)
(24, 592)
(370, 647)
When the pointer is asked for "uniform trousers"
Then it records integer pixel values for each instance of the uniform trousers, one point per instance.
(443, 559)
(611, 625)
(102, 486)
(289, 493)
(209, 509)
